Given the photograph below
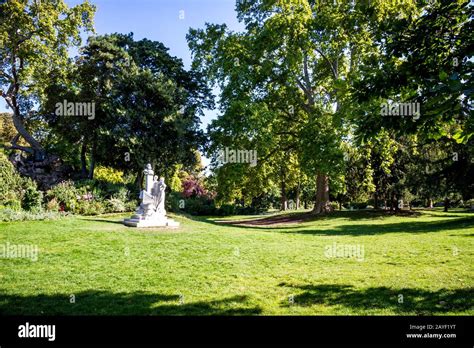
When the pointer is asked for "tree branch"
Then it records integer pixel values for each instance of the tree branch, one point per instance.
(15, 145)
(334, 72)
(27, 37)
(307, 80)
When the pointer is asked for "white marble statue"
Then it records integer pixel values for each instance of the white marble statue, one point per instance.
(158, 190)
(151, 212)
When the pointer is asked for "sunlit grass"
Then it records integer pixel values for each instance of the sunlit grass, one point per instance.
(410, 265)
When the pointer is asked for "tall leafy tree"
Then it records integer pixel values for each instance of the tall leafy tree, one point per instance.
(34, 41)
(147, 106)
(299, 55)
(426, 59)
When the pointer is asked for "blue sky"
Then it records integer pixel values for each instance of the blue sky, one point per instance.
(160, 20)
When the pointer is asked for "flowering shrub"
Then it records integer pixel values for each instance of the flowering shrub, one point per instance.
(107, 174)
(192, 187)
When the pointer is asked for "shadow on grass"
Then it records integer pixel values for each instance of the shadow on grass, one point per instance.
(106, 303)
(292, 223)
(402, 227)
(286, 221)
(416, 301)
(443, 215)
(120, 222)
(452, 223)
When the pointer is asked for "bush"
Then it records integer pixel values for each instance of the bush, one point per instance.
(226, 209)
(193, 187)
(89, 208)
(195, 206)
(108, 193)
(16, 192)
(115, 205)
(262, 203)
(32, 199)
(121, 193)
(11, 200)
(10, 215)
(174, 202)
(469, 204)
(90, 197)
(10, 184)
(131, 205)
(206, 206)
(65, 193)
(199, 206)
(417, 203)
(97, 208)
(359, 205)
(107, 174)
(53, 205)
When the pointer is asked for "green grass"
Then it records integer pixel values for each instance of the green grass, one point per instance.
(207, 268)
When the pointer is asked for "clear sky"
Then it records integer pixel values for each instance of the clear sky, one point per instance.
(160, 20)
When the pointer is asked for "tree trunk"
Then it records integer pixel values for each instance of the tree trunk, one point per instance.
(83, 159)
(92, 162)
(298, 196)
(321, 204)
(92, 167)
(17, 122)
(446, 204)
(138, 180)
(430, 203)
(284, 201)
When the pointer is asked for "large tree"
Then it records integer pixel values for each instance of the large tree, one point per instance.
(147, 106)
(297, 55)
(425, 59)
(34, 40)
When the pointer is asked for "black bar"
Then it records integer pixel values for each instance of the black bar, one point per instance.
(328, 330)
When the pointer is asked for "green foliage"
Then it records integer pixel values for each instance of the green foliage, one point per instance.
(469, 204)
(53, 205)
(176, 179)
(302, 85)
(10, 215)
(89, 207)
(199, 206)
(34, 41)
(7, 129)
(285, 83)
(10, 184)
(65, 194)
(304, 82)
(206, 206)
(115, 205)
(108, 174)
(32, 199)
(146, 112)
(17, 192)
(90, 197)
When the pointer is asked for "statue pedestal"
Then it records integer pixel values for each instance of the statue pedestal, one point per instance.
(139, 220)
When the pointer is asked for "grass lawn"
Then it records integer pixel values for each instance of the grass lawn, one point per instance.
(406, 265)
